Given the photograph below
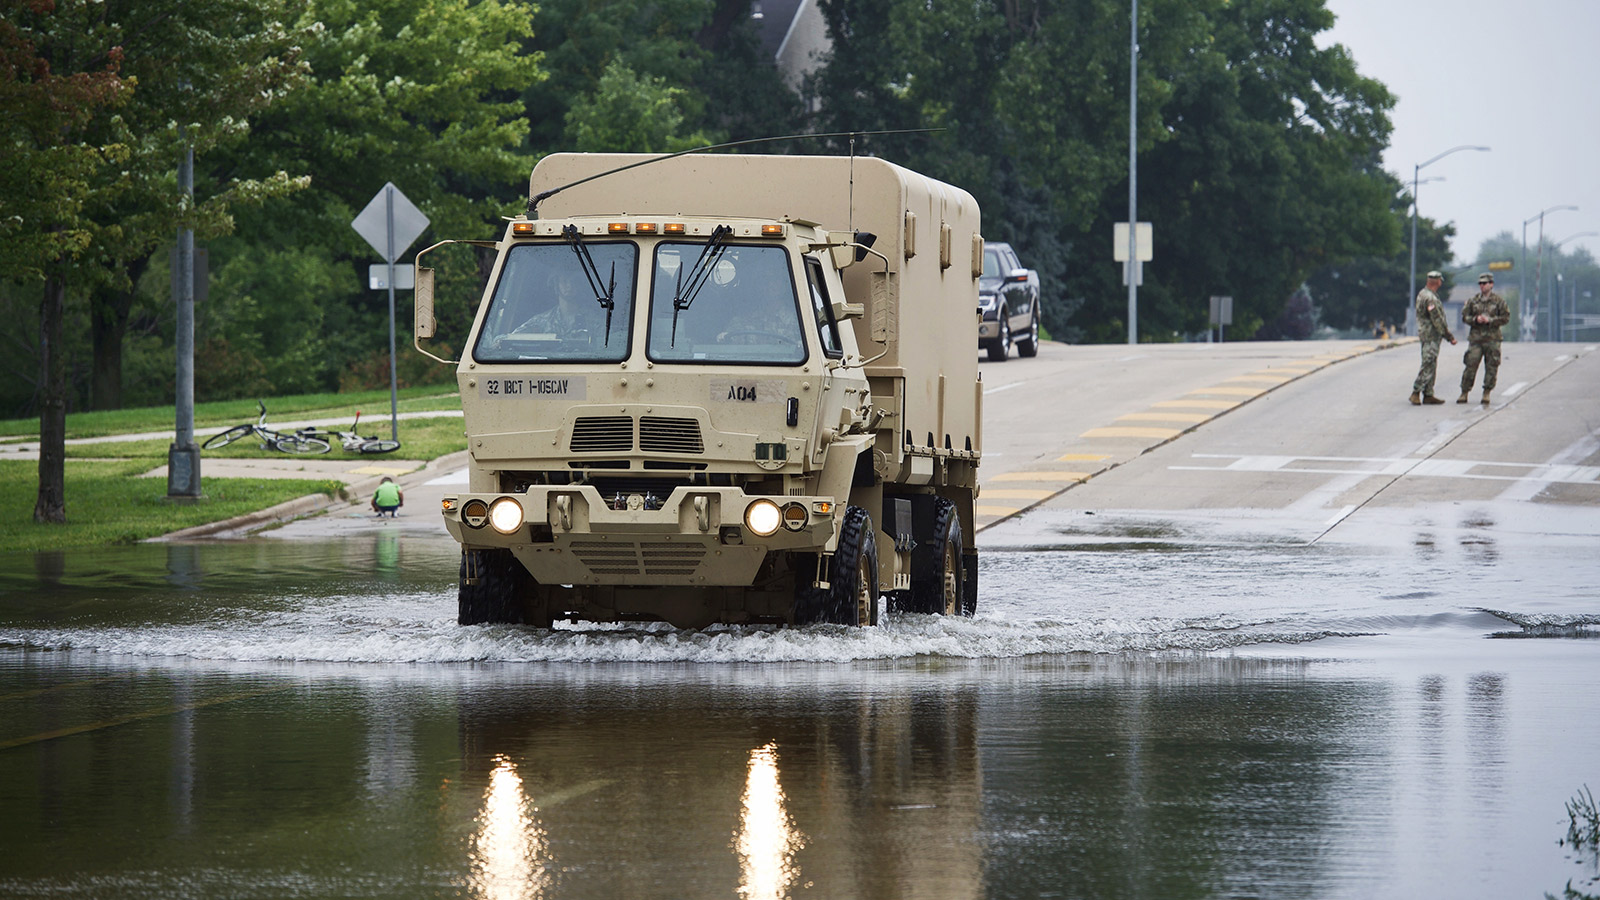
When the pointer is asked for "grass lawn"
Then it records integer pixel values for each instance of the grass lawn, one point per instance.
(107, 503)
(422, 439)
(374, 406)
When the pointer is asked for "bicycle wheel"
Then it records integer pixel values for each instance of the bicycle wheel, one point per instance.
(224, 438)
(378, 445)
(299, 446)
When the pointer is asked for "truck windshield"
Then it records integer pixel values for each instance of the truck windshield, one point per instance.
(544, 307)
(746, 311)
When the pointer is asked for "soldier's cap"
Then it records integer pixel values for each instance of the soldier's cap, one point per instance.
(1486, 278)
(1436, 274)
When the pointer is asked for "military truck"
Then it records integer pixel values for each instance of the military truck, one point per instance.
(713, 388)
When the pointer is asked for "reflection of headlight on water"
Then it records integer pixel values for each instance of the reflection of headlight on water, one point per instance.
(767, 841)
(510, 851)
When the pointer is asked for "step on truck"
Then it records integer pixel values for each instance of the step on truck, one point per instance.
(721, 388)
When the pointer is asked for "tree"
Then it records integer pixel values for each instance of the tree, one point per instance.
(52, 86)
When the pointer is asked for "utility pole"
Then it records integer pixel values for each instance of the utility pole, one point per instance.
(1133, 176)
(183, 456)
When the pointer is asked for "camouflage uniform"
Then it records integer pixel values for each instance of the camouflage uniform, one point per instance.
(1431, 329)
(1483, 341)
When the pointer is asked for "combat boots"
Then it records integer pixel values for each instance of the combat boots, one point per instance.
(1463, 397)
(1431, 400)
(1485, 396)
(1416, 398)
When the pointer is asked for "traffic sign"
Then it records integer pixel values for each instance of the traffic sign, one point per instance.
(390, 215)
(1500, 265)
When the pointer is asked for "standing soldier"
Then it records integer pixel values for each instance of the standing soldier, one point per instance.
(1484, 314)
(1431, 329)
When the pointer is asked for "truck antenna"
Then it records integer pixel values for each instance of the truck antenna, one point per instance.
(536, 199)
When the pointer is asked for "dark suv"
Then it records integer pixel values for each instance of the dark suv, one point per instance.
(1008, 304)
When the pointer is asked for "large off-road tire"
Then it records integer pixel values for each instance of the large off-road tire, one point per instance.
(1000, 347)
(502, 593)
(938, 565)
(1028, 342)
(853, 597)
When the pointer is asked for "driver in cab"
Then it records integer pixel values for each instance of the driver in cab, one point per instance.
(573, 317)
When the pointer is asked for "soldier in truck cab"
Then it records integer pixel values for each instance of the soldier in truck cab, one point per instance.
(571, 317)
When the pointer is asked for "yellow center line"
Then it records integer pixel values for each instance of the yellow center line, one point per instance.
(1196, 404)
(1131, 431)
(1017, 494)
(135, 717)
(1232, 391)
(1082, 457)
(1164, 417)
(995, 510)
(1269, 379)
(1043, 476)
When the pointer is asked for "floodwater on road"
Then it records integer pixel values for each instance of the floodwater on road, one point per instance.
(1123, 719)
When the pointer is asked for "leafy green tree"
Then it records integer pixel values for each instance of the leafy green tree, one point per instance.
(58, 72)
(629, 114)
(389, 97)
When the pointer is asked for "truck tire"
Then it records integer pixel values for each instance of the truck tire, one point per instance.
(938, 565)
(502, 593)
(1000, 347)
(853, 597)
(1028, 342)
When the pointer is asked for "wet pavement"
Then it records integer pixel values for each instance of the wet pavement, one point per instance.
(1361, 665)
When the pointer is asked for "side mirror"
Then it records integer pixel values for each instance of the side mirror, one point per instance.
(423, 295)
(1017, 275)
(844, 255)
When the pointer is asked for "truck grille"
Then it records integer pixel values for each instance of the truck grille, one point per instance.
(602, 434)
(663, 435)
(650, 558)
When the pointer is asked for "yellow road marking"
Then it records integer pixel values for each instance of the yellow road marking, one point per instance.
(134, 717)
(1131, 431)
(1017, 494)
(994, 510)
(1269, 379)
(1043, 476)
(1081, 457)
(1196, 404)
(1232, 391)
(1164, 417)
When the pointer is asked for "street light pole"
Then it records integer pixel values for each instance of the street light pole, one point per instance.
(1133, 177)
(1411, 312)
(1525, 312)
(1557, 333)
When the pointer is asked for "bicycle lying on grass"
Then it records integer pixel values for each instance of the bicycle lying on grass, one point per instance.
(349, 440)
(304, 441)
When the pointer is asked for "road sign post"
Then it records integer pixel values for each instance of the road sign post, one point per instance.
(390, 223)
(1221, 313)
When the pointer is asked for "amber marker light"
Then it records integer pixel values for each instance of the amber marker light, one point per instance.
(618, 228)
(448, 504)
(522, 228)
(673, 228)
(774, 231)
(645, 228)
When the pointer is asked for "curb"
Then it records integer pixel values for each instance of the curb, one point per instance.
(302, 507)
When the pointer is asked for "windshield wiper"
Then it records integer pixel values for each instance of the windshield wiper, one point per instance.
(715, 246)
(586, 262)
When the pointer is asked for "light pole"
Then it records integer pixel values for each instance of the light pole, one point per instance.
(1525, 312)
(1411, 312)
(1557, 333)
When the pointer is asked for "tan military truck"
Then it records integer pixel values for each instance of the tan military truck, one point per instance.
(721, 388)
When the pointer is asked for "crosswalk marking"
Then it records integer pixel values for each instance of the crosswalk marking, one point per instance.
(1131, 431)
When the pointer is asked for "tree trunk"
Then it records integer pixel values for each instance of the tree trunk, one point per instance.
(52, 503)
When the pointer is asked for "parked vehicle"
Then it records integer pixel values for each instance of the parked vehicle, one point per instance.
(1008, 304)
(693, 392)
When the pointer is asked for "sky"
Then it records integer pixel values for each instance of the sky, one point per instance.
(1521, 77)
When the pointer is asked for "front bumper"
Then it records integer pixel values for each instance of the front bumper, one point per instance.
(697, 536)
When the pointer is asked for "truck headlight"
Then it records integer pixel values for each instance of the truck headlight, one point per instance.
(794, 516)
(505, 515)
(763, 517)
(475, 513)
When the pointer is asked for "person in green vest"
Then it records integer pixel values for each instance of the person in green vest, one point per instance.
(388, 497)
